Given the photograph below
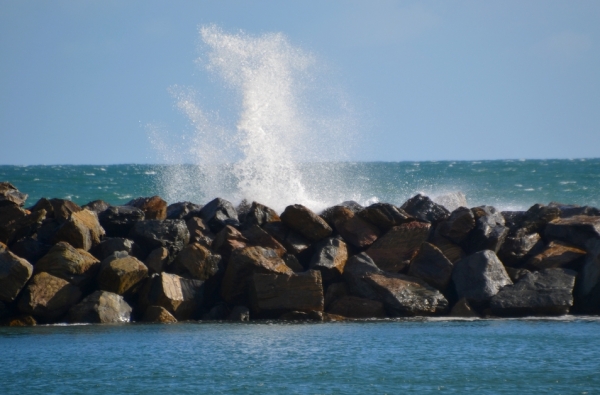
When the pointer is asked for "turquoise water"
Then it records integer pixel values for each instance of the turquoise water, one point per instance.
(394, 357)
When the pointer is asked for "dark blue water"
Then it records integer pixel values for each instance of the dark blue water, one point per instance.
(395, 357)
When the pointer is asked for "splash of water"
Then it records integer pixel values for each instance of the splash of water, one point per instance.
(279, 126)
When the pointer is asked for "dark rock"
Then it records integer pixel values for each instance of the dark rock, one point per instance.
(82, 230)
(47, 232)
(355, 307)
(451, 250)
(462, 309)
(96, 206)
(242, 210)
(432, 266)
(393, 251)
(424, 209)
(101, 307)
(515, 274)
(330, 258)
(150, 234)
(120, 273)
(22, 320)
(183, 210)
(199, 232)
(48, 297)
(257, 236)
(577, 230)
(61, 209)
(24, 227)
(292, 262)
(547, 292)
(9, 195)
(538, 216)
(458, 225)
(180, 296)
(117, 221)
(76, 266)
(305, 222)
(228, 240)
(304, 316)
(111, 245)
(14, 274)
(479, 276)
(158, 260)
(489, 232)
(291, 240)
(199, 262)
(158, 314)
(9, 216)
(353, 228)
(557, 254)
(588, 282)
(385, 216)
(329, 213)
(335, 291)
(571, 210)
(240, 314)
(30, 249)
(218, 312)
(357, 267)
(260, 215)
(153, 207)
(513, 220)
(219, 213)
(516, 249)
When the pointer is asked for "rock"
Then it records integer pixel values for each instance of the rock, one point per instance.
(46, 234)
(406, 295)
(9, 216)
(101, 307)
(516, 249)
(109, 246)
(431, 266)
(153, 207)
(515, 274)
(260, 215)
(291, 240)
(199, 262)
(23, 227)
(242, 210)
(394, 250)
(538, 216)
(305, 222)
(228, 240)
(240, 314)
(479, 276)
(199, 232)
(330, 258)
(242, 265)
(353, 228)
(292, 262)
(219, 213)
(277, 293)
(157, 260)
(14, 274)
(61, 209)
(460, 223)
(424, 209)
(81, 230)
(547, 292)
(577, 230)
(451, 250)
(217, 313)
(588, 282)
(150, 234)
(335, 291)
(357, 267)
(30, 249)
(159, 315)
(355, 307)
(451, 200)
(76, 266)
(180, 296)
(462, 309)
(9, 195)
(385, 216)
(571, 210)
(118, 221)
(302, 316)
(489, 232)
(48, 297)
(257, 236)
(329, 213)
(120, 273)
(96, 206)
(557, 254)
(23, 320)
(4, 312)
(183, 210)
(514, 221)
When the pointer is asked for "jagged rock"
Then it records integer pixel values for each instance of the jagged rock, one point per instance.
(109, 246)
(257, 236)
(260, 215)
(199, 232)
(330, 258)
(158, 314)
(23, 227)
(242, 210)
(183, 210)
(588, 281)
(30, 249)
(157, 260)
(513, 220)
(291, 240)
(547, 292)
(329, 213)
(101, 307)
(489, 232)
(406, 295)
(10, 195)
(557, 254)
(335, 291)
(81, 230)
(538, 216)
(120, 273)
(77, 266)
(577, 230)
(458, 225)
(384, 216)
(62, 209)
(571, 210)
(424, 209)
(451, 250)
(9, 215)
(393, 251)
(150, 234)
(96, 206)
(23, 320)
(199, 262)
(451, 200)
(276, 293)
(118, 221)
(14, 274)
(243, 263)
(239, 313)
(462, 309)
(355, 307)
(515, 274)
(180, 296)
(48, 297)
(432, 266)
(305, 222)
(228, 240)
(219, 213)
(357, 267)
(479, 276)
(153, 207)
(292, 262)
(353, 228)
(516, 249)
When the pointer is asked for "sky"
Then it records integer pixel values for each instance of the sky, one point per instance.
(81, 81)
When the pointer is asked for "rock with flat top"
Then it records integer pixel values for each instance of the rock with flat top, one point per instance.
(557, 254)
(394, 250)
(306, 222)
(118, 221)
(384, 216)
(330, 258)
(77, 266)
(577, 230)
(120, 273)
(14, 274)
(153, 207)
(47, 297)
(180, 296)
(101, 307)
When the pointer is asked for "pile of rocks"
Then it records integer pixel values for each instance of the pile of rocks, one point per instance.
(152, 262)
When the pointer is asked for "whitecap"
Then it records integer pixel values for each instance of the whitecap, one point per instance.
(150, 172)
(567, 182)
(529, 189)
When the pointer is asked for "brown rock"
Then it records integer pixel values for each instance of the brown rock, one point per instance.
(260, 215)
(451, 250)
(199, 231)
(48, 297)
(557, 254)
(25, 226)
(353, 228)
(23, 320)
(157, 260)
(153, 207)
(432, 266)
(120, 273)
(81, 230)
(305, 222)
(158, 314)
(198, 261)
(292, 262)
(9, 195)
(462, 309)
(355, 307)
(258, 237)
(9, 215)
(385, 216)
(77, 266)
(330, 258)
(101, 307)
(335, 291)
(96, 206)
(228, 240)
(293, 242)
(180, 296)
(577, 230)
(61, 209)
(14, 274)
(393, 251)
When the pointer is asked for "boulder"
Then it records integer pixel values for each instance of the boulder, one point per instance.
(588, 282)
(150, 234)
(334, 291)
(355, 307)
(96, 206)
(62, 209)
(77, 266)
(516, 249)
(9, 215)
(260, 215)
(431, 266)
(228, 240)
(9, 195)
(292, 262)
(217, 313)
(199, 262)
(329, 213)
(515, 274)
(571, 210)
(158, 314)
(547, 292)
(460, 223)
(81, 230)
(557, 254)
(538, 216)
(23, 227)
(199, 231)
(489, 232)
(183, 210)
(120, 273)
(109, 246)
(293, 242)
(257, 236)
(14, 274)
(48, 297)
(276, 293)
(239, 314)
(452, 251)
(577, 230)
(330, 258)
(30, 249)
(424, 209)
(180, 296)
(463, 310)
(479, 276)
(158, 260)
(306, 222)
(153, 207)
(101, 307)
(394, 250)
(245, 262)
(219, 213)
(118, 221)
(384, 216)
(357, 267)
(451, 200)
(353, 228)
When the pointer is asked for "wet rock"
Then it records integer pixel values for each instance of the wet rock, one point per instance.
(451, 200)
(357, 267)
(239, 314)
(462, 309)
(153, 207)
(76, 266)
(219, 213)
(96, 206)
(48, 297)
(577, 230)
(276, 293)
(180, 296)
(431, 266)
(353, 228)
(557, 254)
(10, 195)
(291, 240)
(118, 221)
(547, 292)
(228, 240)
(259, 214)
(384, 216)
(516, 249)
(159, 315)
(109, 246)
(150, 234)
(460, 223)
(158, 260)
(489, 232)
(199, 262)
(393, 251)
(101, 307)
(14, 274)
(424, 209)
(259, 237)
(305, 222)
(355, 307)
(330, 258)
(81, 230)
(183, 210)
(479, 277)
(120, 273)
(514, 221)
(243, 263)
(335, 291)
(199, 231)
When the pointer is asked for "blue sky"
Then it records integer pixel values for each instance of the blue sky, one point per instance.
(81, 80)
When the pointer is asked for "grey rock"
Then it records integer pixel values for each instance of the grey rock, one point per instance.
(219, 213)
(424, 209)
(101, 307)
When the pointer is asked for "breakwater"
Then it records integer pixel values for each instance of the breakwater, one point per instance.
(154, 262)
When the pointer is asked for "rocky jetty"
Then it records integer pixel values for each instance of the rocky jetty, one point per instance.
(148, 261)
